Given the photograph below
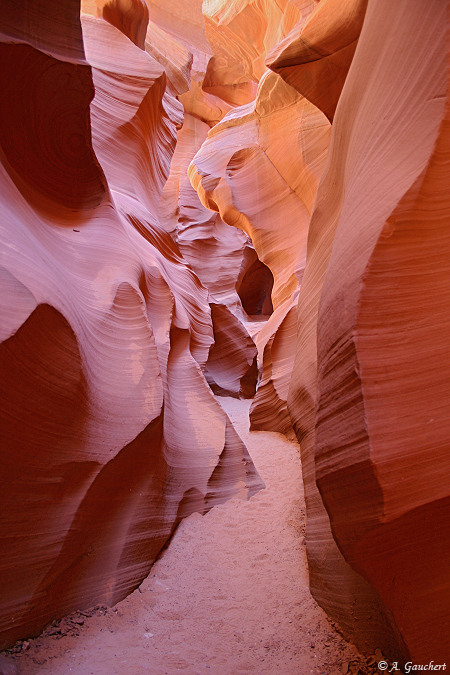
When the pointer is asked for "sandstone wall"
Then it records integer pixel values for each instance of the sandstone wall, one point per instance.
(369, 392)
(109, 431)
(130, 141)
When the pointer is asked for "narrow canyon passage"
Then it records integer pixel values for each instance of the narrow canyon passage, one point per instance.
(176, 179)
(229, 595)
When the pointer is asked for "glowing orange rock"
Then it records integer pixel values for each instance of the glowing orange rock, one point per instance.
(215, 252)
(246, 154)
(240, 34)
(316, 55)
(129, 16)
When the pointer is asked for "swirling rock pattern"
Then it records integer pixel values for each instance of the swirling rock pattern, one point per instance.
(106, 330)
(123, 293)
(213, 250)
(216, 254)
(240, 34)
(276, 342)
(46, 154)
(246, 154)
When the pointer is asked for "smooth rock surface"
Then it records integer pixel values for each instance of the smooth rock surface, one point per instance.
(130, 141)
(109, 432)
(369, 392)
(315, 57)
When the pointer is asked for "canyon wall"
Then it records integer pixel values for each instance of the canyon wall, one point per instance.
(167, 170)
(246, 154)
(374, 316)
(110, 433)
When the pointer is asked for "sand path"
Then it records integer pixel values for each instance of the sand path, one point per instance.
(228, 597)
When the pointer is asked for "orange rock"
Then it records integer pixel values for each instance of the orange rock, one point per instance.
(316, 55)
(129, 16)
(231, 368)
(246, 154)
(240, 34)
(276, 342)
(175, 58)
(184, 21)
(223, 176)
(215, 252)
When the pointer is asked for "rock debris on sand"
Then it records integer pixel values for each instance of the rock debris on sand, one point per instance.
(229, 596)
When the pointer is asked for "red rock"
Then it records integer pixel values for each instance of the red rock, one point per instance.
(231, 368)
(254, 284)
(183, 21)
(175, 58)
(240, 34)
(53, 28)
(129, 16)
(215, 252)
(123, 295)
(277, 343)
(373, 424)
(66, 177)
(131, 109)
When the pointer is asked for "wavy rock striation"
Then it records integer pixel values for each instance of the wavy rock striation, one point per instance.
(216, 253)
(246, 154)
(130, 141)
(316, 55)
(213, 250)
(240, 34)
(109, 432)
(369, 393)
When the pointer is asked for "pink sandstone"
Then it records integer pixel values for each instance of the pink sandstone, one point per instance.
(124, 293)
(106, 332)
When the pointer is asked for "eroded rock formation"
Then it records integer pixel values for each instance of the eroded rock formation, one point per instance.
(244, 154)
(130, 142)
(355, 406)
(216, 253)
(110, 433)
(316, 55)
(368, 393)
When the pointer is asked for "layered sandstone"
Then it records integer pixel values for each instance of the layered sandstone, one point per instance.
(369, 396)
(124, 293)
(240, 34)
(129, 16)
(246, 154)
(216, 254)
(316, 55)
(110, 433)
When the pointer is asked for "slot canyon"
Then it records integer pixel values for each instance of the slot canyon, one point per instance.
(224, 337)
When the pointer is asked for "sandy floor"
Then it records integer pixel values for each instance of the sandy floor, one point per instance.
(228, 597)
